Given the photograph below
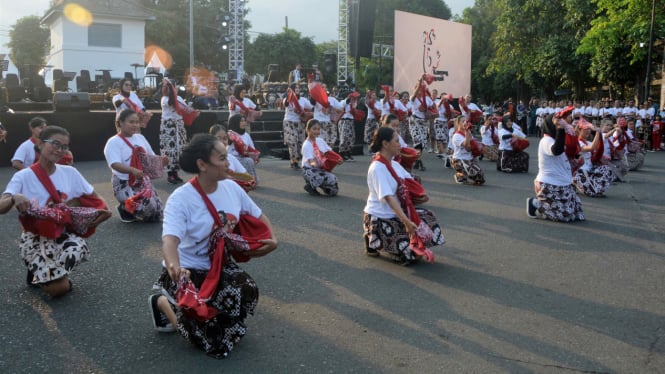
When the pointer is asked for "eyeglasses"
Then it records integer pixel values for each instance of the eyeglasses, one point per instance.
(57, 144)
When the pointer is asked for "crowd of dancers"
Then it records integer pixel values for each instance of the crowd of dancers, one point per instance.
(210, 223)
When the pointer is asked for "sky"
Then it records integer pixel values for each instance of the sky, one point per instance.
(317, 19)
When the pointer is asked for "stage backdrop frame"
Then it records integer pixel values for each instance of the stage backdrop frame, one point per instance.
(433, 46)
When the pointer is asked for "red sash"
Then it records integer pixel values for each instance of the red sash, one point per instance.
(51, 222)
(187, 113)
(476, 146)
(405, 194)
(319, 94)
(495, 137)
(519, 144)
(407, 157)
(135, 161)
(192, 301)
(243, 149)
(327, 161)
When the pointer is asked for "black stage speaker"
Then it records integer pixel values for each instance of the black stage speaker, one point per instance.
(71, 101)
(361, 27)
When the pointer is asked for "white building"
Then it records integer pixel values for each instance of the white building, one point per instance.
(114, 40)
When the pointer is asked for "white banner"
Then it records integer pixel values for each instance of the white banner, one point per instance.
(426, 45)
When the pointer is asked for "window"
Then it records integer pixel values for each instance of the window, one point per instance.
(105, 35)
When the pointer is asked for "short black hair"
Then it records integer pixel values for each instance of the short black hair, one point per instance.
(380, 135)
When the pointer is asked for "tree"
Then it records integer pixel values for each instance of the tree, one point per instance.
(613, 43)
(286, 49)
(29, 44)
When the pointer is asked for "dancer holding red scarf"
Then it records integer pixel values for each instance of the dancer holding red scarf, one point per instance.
(241, 145)
(318, 159)
(128, 178)
(172, 134)
(127, 99)
(205, 296)
(347, 133)
(295, 109)
(51, 254)
(465, 163)
(618, 141)
(556, 199)
(327, 111)
(511, 157)
(239, 103)
(391, 222)
(421, 105)
(591, 180)
(373, 116)
(490, 138)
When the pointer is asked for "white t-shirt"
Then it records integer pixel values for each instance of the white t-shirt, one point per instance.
(504, 144)
(486, 133)
(290, 110)
(66, 179)
(168, 111)
(234, 164)
(418, 108)
(552, 169)
(187, 218)
(132, 96)
(370, 110)
(116, 150)
(459, 152)
(249, 104)
(588, 165)
(381, 184)
(308, 151)
(25, 153)
(320, 116)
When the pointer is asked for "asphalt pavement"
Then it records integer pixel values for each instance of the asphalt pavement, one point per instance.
(506, 293)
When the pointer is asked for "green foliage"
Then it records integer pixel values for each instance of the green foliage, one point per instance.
(287, 49)
(28, 45)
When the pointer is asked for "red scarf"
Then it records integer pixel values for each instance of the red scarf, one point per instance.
(188, 298)
(328, 160)
(246, 236)
(233, 101)
(495, 137)
(448, 109)
(51, 221)
(405, 194)
(293, 99)
(135, 161)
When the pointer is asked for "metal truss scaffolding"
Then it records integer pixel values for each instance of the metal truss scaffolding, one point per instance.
(237, 36)
(343, 42)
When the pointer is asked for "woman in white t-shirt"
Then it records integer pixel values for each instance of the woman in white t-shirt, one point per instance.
(242, 145)
(386, 225)
(126, 98)
(50, 260)
(490, 137)
(315, 176)
(556, 198)
(191, 236)
(511, 160)
(467, 169)
(127, 180)
(591, 180)
(237, 172)
(172, 134)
